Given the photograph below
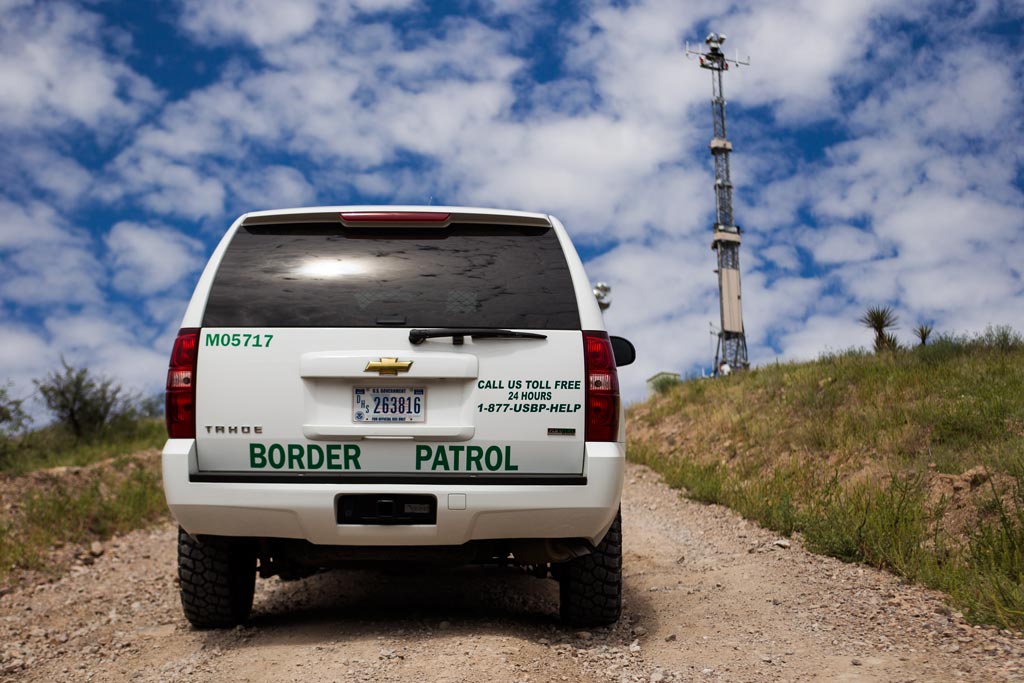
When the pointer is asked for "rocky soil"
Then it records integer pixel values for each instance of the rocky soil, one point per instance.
(708, 597)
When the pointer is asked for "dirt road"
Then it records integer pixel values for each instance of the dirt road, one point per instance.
(708, 597)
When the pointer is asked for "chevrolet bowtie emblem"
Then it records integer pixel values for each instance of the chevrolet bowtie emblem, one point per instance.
(388, 366)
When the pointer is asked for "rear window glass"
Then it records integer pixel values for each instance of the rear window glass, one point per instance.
(330, 276)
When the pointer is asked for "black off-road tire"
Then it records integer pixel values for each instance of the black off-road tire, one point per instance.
(591, 586)
(217, 580)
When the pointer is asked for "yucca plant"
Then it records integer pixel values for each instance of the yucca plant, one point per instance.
(922, 332)
(881, 319)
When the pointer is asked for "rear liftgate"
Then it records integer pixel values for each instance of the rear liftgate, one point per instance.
(385, 349)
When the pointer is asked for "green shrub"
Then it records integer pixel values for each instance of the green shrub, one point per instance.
(82, 403)
(13, 421)
(13, 418)
(665, 384)
(1002, 338)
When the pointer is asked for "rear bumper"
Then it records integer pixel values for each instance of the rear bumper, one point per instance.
(306, 510)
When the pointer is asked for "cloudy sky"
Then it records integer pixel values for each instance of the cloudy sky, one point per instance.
(877, 156)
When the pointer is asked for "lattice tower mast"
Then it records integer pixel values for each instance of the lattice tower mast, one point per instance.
(732, 340)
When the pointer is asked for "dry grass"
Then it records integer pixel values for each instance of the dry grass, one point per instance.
(49, 512)
(54, 446)
(911, 461)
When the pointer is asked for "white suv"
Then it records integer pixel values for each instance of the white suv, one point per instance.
(395, 384)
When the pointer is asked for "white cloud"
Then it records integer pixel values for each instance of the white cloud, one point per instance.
(340, 113)
(798, 48)
(26, 225)
(821, 333)
(931, 226)
(918, 206)
(782, 256)
(45, 260)
(109, 343)
(840, 244)
(59, 273)
(55, 71)
(264, 23)
(448, 99)
(258, 21)
(778, 305)
(634, 54)
(150, 259)
(59, 176)
(957, 286)
(23, 356)
(272, 187)
(929, 181)
(164, 186)
(969, 92)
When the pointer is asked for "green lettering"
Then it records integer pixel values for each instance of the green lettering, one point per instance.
(496, 465)
(257, 456)
(212, 339)
(278, 450)
(455, 451)
(352, 457)
(310, 462)
(295, 453)
(333, 456)
(423, 454)
(440, 460)
(509, 467)
(474, 454)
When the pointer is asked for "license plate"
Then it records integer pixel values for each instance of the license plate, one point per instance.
(389, 404)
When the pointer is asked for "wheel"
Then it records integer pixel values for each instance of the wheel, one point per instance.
(217, 580)
(591, 586)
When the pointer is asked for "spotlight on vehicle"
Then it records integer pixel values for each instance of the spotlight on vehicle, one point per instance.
(603, 294)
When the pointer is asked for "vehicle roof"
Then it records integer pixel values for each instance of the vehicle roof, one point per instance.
(398, 207)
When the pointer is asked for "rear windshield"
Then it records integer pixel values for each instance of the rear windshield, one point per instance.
(320, 275)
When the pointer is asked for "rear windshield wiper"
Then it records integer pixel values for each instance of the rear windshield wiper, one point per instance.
(458, 334)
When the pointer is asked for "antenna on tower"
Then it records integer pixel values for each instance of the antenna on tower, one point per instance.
(732, 340)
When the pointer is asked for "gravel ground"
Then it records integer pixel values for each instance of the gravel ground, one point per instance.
(708, 597)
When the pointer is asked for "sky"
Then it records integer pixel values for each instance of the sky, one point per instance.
(877, 157)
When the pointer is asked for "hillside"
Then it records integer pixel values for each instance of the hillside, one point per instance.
(912, 461)
(59, 493)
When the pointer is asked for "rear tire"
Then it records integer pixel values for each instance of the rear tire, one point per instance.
(217, 579)
(591, 586)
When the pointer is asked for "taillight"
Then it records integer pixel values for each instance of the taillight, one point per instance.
(395, 217)
(180, 396)
(602, 388)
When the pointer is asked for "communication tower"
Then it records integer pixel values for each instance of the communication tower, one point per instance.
(732, 341)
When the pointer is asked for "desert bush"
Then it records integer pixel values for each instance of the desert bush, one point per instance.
(13, 418)
(665, 384)
(1001, 338)
(83, 403)
(13, 422)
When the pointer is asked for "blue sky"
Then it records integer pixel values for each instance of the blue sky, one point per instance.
(877, 156)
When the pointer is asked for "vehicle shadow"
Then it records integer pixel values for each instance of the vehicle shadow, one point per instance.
(351, 605)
